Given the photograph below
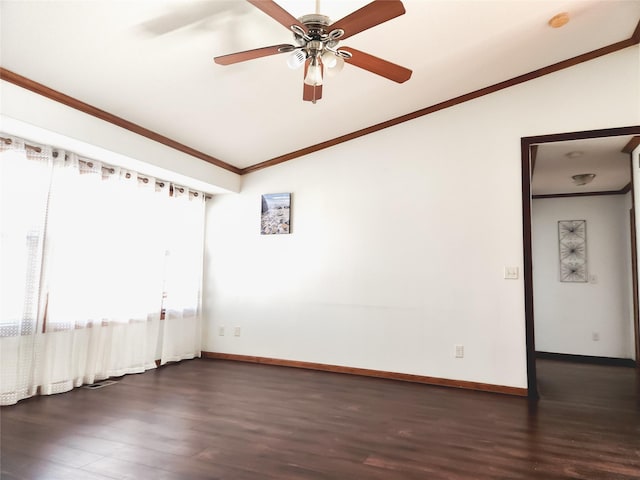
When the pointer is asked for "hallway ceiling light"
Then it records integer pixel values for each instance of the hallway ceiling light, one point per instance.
(583, 178)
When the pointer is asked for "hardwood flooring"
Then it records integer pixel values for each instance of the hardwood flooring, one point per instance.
(216, 419)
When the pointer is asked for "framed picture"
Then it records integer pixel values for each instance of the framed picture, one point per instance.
(275, 215)
(572, 241)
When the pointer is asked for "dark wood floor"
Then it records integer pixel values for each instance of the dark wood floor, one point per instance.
(213, 419)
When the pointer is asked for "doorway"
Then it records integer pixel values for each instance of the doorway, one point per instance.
(530, 149)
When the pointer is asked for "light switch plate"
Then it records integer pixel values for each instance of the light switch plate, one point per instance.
(511, 273)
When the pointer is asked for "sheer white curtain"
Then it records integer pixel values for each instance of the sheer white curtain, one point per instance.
(24, 187)
(112, 247)
(183, 276)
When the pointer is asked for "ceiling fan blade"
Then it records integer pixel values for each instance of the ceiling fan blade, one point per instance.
(309, 92)
(251, 54)
(375, 13)
(278, 13)
(377, 65)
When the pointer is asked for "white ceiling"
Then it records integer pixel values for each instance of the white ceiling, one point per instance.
(557, 162)
(126, 58)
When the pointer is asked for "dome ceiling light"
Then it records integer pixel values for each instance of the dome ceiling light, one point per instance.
(583, 179)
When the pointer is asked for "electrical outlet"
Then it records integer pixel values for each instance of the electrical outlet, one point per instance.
(236, 331)
(221, 330)
(459, 351)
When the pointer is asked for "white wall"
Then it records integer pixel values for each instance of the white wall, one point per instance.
(39, 119)
(567, 315)
(399, 238)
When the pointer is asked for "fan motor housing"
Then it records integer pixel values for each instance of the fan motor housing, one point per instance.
(316, 25)
(315, 19)
(317, 31)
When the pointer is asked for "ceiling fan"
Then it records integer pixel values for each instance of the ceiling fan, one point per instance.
(316, 43)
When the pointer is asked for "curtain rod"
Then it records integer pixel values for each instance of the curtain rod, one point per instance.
(109, 168)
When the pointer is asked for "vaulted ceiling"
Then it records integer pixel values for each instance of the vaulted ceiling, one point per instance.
(150, 63)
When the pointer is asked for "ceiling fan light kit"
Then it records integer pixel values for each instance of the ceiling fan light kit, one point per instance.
(314, 73)
(329, 59)
(296, 59)
(316, 44)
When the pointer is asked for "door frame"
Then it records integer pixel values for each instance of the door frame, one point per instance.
(527, 150)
